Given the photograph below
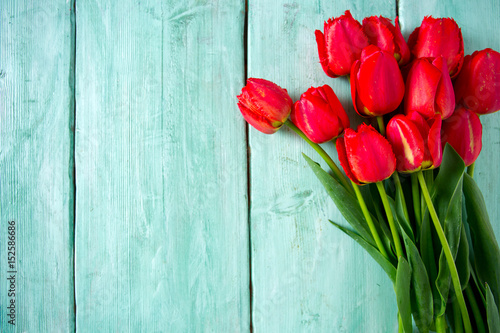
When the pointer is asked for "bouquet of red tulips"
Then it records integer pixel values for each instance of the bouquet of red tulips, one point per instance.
(407, 190)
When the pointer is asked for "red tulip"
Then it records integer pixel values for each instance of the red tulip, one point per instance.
(366, 156)
(430, 130)
(439, 37)
(382, 33)
(407, 143)
(340, 45)
(478, 84)
(319, 114)
(463, 131)
(264, 105)
(377, 86)
(429, 90)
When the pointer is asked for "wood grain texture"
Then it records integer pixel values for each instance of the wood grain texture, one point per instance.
(161, 216)
(36, 162)
(307, 276)
(480, 24)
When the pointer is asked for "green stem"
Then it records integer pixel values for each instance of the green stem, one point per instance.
(398, 185)
(441, 324)
(323, 154)
(475, 310)
(416, 199)
(390, 219)
(447, 252)
(457, 318)
(369, 220)
(470, 169)
(400, 324)
(381, 126)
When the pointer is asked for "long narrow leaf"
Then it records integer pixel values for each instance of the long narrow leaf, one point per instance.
(484, 243)
(492, 314)
(462, 260)
(346, 203)
(403, 277)
(428, 255)
(447, 193)
(379, 258)
(420, 293)
(375, 204)
(404, 223)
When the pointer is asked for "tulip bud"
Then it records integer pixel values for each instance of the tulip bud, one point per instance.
(407, 143)
(429, 90)
(463, 131)
(319, 114)
(264, 105)
(439, 37)
(365, 155)
(478, 85)
(382, 33)
(340, 44)
(377, 86)
(430, 131)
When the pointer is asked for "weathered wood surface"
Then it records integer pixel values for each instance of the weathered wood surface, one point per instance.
(169, 227)
(36, 162)
(161, 194)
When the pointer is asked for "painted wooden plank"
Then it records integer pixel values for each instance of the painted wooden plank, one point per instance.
(307, 276)
(480, 24)
(161, 214)
(36, 164)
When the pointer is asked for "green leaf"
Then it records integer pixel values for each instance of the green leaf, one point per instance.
(429, 257)
(403, 222)
(403, 277)
(400, 218)
(375, 204)
(462, 261)
(420, 292)
(492, 314)
(427, 252)
(346, 203)
(447, 194)
(386, 265)
(484, 243)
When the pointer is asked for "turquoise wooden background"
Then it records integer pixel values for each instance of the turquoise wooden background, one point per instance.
(141, 201)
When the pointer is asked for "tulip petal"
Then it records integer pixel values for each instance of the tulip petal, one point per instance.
(341, 151)
(430, 132)
(369, 154)
(444, 102)
(258, 121)
(382, 33)
(264, 105)
(319, 126)
(421, 87)
(429, 41)
(381, 87)
(323, 56)
(344, 40)
(378, 33)
(358, 104)
(462, 86)
(274, 102)
(413, 38)
(478, 85)
(434, 141)
(403, 48)
(317, 114)
(407, 143)
(336, 106)
(463, 131)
